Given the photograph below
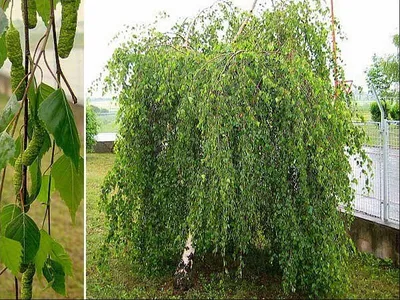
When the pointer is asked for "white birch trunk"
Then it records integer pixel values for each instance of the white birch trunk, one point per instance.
(182, 276)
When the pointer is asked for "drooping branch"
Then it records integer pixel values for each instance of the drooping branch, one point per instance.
(244, 22)
(187, 36)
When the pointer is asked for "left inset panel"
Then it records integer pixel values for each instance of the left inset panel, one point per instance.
(41, 149)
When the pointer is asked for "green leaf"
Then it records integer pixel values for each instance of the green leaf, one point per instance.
(9, 112)
(56, 113)
(7, 214)
(36, 180)
(3, 21)
(48, 246)
(59, 255)
(43, 9)
(42, 197)
(69, 182)
(43, 252)
(10, 254)
(54, 274)
(24, 230)
(7, 148)
(42, 92)
(3, 49)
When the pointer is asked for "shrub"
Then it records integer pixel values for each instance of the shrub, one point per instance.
(395, 112)
(376, 112)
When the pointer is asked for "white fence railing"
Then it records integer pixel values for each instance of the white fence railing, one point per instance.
(382, 147)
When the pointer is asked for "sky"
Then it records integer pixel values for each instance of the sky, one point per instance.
(368, 26)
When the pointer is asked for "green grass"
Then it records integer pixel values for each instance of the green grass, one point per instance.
(373, 136)
(107, 123)
(363, 109)
(370, 277)
(62, 230)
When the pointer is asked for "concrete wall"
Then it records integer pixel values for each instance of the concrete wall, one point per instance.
(377, 237)
(104, 147)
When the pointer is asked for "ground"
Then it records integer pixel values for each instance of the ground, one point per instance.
(370, 277)
(62, 230)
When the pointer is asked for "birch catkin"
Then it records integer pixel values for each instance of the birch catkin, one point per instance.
(26, 282)
(33, 149)
(32, 18)
(14, 53)
(69, 16)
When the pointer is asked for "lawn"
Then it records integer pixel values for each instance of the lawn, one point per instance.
(363, 109)
(107, 123)
(370, 277)
(62, 230)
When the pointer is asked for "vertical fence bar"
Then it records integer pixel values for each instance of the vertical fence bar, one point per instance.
(385, 149)
(384, 129)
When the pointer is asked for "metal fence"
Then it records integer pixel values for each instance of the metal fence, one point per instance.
(382, 200)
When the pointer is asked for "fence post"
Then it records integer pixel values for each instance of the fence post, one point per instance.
(385, 132)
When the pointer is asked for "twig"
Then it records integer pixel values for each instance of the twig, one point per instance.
(59, 73)
(53, 21)
(47, 213)
(48, 68)
(244, 22)
(25, 101)
(16, 288)
(74, 98)
(2, 271)
(37, 60)
(186, 39)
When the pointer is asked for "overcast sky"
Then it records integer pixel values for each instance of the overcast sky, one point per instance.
(368, 24)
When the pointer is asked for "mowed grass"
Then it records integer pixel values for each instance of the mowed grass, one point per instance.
(62, 230)
(115, 277)
(107, 123)
(363, 110)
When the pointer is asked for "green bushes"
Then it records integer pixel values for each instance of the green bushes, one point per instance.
(395, 112)
(391, 111)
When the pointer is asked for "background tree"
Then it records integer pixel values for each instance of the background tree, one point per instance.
(383, 74)
(92, 128)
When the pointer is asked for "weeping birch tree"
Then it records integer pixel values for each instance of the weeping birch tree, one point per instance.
(231, 132)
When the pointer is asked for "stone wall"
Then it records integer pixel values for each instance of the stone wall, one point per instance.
(104, 147)
(377, 237)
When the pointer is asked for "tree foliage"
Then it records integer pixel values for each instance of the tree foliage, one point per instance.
(243, 144)
(92, 128)
(376, 112)
(384, 73)
(395, 112)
